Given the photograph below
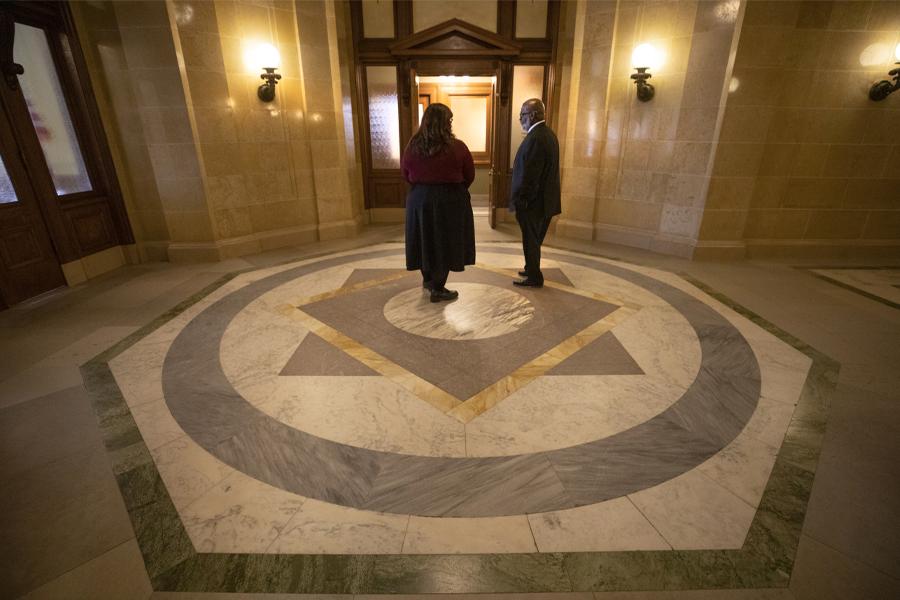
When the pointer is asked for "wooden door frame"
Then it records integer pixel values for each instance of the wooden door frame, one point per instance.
(455, 47)
(83, 223)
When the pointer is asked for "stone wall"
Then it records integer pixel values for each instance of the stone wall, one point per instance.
(807, 164)
(231, 174)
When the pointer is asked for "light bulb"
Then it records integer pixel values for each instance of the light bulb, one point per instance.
(646, 56)
(261, 56)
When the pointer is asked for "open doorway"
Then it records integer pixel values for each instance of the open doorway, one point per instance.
(471, 99)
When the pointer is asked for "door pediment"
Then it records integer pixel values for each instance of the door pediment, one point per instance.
(455, 38)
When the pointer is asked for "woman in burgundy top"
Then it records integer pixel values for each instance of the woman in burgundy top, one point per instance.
(440, 232)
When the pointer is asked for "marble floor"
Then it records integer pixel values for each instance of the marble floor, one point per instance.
(880, 284)
(305, 423)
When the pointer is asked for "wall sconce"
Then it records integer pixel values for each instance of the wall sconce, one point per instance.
(882, 89)
(643, 58)
(264, 57)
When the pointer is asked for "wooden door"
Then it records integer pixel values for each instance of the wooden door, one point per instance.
(28, 262)
(61, 201)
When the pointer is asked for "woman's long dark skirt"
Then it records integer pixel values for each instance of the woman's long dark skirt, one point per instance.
(440, 232)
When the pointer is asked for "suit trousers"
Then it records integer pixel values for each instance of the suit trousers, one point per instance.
(534, 228)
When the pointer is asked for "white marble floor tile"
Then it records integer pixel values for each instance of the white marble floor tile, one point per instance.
(323, 528)
(693, 512)
(188, 470)
(781, 383)
(662, 343)
(368, 412)
(608, 526)
(240, 514)
(742, 467)
(138, 370)
(562, 411)
(769, 422)
(257, 344)
(432, 535)
(605, 284)
(156, 424)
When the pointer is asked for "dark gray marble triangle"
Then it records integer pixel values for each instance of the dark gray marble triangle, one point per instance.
(556, 275)
(315, 356)
(360, 275)
(603, 356)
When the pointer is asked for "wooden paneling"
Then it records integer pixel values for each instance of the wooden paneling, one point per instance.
(450, 48)
(20, 248)
(91, 227)
(387, 191)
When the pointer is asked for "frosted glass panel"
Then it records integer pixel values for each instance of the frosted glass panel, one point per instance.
(470, 121)
(378, 18)
(7, 193)
(528, 82)
(531, 18)
(428, 13)
(49, 112)
(384, 119)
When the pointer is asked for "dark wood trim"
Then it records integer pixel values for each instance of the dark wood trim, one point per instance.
(403, 10)
(493, 45)
(506, 18)
(56, 20)
(498, 53)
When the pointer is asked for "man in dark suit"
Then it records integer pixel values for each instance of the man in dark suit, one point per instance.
(534, 191)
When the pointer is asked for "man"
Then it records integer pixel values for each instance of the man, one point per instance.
(534, 191)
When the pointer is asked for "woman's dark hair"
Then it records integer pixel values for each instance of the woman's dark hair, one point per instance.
(434, 134)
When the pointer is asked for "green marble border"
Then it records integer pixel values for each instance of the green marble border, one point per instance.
(853, 288)
(765, 560)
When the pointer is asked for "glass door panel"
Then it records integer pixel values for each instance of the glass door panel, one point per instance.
(384, 117)
(528, 82)
(49, 113)
(7, 193)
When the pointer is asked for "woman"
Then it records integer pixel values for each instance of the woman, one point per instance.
(440, 233)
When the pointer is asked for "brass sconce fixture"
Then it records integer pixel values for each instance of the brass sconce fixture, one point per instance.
(643, 58)
(264, 57)
(882, 89)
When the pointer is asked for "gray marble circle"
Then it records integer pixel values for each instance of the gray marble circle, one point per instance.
(708, 416)
(482, 311)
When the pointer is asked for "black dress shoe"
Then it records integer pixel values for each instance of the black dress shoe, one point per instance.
(523, 273)
(443, 295)
(528, 283)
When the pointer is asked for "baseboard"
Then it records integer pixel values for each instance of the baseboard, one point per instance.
(93, 265)
(241, 246)
(340, 229)
(387, 215)
(570, 228)
(723, 250)
(824, 249)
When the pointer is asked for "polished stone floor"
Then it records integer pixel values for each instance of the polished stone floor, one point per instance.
(306, 421)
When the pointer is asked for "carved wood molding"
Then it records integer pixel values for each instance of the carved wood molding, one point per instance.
(455, 38)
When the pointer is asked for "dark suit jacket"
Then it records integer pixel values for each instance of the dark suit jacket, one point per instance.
(535, 180)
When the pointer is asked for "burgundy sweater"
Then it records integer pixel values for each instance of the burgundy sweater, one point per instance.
(451, 166)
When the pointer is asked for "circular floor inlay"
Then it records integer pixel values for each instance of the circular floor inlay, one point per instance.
(481, 311)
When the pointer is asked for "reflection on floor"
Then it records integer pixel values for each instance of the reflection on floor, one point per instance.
(318, 426)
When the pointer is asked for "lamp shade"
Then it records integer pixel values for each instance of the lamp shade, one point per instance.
(646, 56)
(897, 52)
(261, 56)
